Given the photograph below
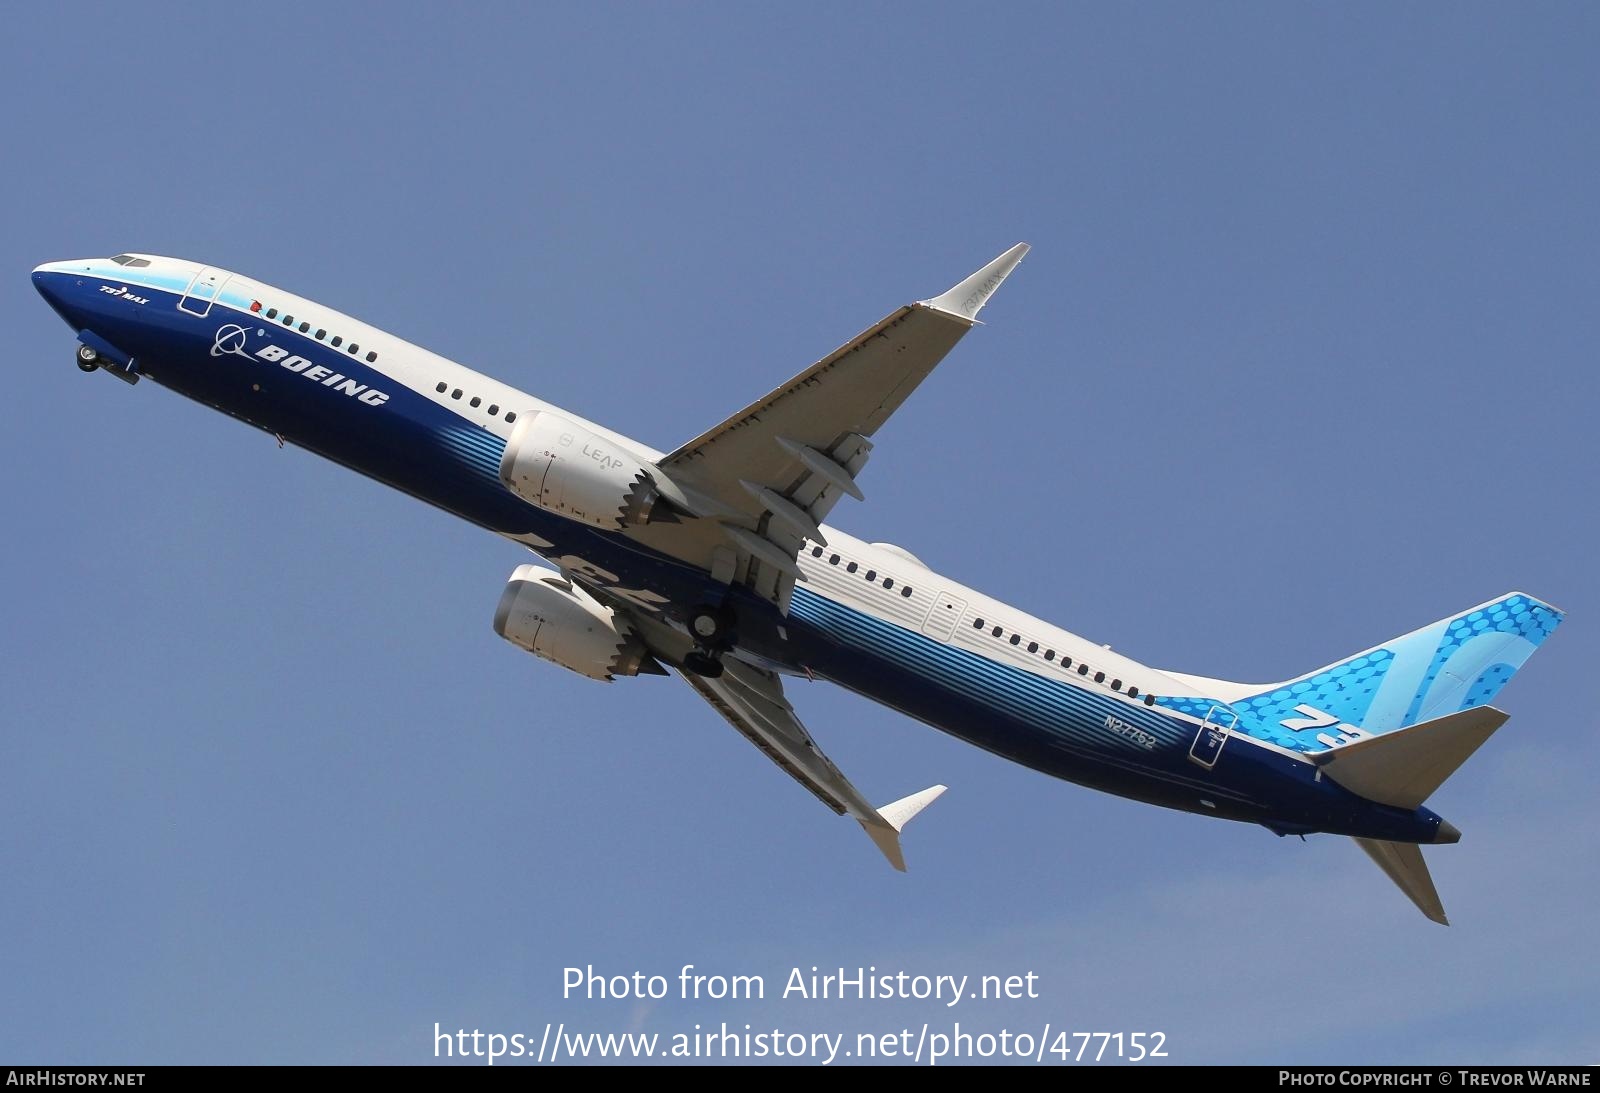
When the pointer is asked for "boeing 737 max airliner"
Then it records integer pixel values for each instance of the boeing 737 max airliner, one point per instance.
(713, 561)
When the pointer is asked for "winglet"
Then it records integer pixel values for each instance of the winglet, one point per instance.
(892, 818)
(967, 299)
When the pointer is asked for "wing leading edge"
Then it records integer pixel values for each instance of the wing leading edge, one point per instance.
(761, 482)
(752, 701)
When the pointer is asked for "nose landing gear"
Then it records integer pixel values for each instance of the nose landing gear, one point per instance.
(90, 359)
(712, 630)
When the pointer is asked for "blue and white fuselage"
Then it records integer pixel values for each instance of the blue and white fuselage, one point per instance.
(868, 616)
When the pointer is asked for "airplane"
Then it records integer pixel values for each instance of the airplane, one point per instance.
(713, 561)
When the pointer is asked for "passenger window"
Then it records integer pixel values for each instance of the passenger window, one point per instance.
(906, 592)
(1099, 677)
(977, 624)
(888, 582)
(272, 313)
(494, 410)
(510, 417)
(456, 394)
(1033, 647)
(816, 552)
(851, 568)
(304, 327)
(1149, 700)
(441, 387)
(476, 402)
(998, 631)
(337, 341)
(352, 349)
(1049, 654)
(1066, 662)
(321, 334)
(1116, 684)
(1083, 669)
(833, 559)
(372, 357)
(1016, 639)
(872, 575)
(1133, 692)
(288, 320)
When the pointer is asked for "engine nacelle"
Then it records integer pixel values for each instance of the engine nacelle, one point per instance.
(546, 614)
(564, 468)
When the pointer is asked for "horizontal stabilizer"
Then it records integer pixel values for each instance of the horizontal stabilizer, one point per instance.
(1405, 866)
(891, 819)
(1404, 767)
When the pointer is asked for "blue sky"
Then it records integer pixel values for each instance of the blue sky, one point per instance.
(1303, 358)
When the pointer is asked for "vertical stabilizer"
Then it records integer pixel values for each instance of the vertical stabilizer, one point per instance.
(1458, 663)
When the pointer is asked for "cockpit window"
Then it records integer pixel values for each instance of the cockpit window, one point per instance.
(130, 260)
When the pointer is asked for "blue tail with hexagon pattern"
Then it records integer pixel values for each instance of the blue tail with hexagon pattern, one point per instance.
(1457, 663)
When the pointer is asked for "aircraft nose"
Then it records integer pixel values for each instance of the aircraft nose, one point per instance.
(41, 278)
(52, 282)
(45, 274)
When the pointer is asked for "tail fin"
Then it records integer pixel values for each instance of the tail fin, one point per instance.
(1458, 663)
(1403, 862)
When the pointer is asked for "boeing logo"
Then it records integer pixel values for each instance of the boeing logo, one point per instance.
(230, 341)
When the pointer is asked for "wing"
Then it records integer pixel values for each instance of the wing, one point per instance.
(752, 701)
(761, 483)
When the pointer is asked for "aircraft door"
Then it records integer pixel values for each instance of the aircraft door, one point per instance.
(942, 619)
(203, 291)
(1213, 734)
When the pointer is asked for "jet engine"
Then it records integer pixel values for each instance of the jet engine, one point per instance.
(567, 469)
(546, 614)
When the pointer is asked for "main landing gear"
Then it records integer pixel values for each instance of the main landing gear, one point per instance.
(86, 358)
(712, 630)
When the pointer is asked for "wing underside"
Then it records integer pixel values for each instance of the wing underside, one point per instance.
(752, 701)
(759, 484)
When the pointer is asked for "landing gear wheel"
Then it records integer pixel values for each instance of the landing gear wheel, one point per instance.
(711, 627)
(702, 663)
(87, 359)
(712, 631)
